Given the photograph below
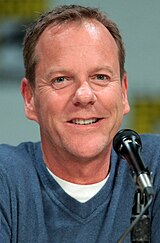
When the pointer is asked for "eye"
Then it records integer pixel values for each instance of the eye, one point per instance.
(102, 77)
(61, 82)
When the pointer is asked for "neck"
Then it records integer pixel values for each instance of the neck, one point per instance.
(77, 170)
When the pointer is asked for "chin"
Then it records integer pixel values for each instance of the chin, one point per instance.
(88, 153)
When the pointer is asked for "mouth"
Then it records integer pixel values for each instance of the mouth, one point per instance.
(84, 121)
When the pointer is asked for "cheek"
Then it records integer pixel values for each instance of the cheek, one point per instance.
(50, 109)
(43, 108)
(112, 99)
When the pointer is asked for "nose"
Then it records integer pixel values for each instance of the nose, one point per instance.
(84, 95)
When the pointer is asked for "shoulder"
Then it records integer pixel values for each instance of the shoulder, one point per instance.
(150, 139)
(17, 167)
(151, 155)
(14, 157)
(150, 145)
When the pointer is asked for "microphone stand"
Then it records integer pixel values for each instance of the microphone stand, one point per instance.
(127, 144)
(140, 227)
(141, 232)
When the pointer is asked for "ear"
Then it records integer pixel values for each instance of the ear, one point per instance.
(29, 100)
(126, 106)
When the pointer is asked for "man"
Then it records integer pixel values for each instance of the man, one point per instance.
(72, 187)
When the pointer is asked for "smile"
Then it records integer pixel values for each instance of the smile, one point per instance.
(84, 121)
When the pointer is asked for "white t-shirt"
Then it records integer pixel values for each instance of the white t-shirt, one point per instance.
(81, 193)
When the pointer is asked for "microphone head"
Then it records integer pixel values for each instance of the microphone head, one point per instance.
(123, 137)
(127, 144)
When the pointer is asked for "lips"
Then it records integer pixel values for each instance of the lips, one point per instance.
(84, 121)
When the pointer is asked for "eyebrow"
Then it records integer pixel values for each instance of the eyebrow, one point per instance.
(105, 67)
(54, 70)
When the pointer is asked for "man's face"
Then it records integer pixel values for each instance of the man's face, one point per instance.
(79, 100)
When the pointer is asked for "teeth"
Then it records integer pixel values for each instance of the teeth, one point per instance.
(84, 122)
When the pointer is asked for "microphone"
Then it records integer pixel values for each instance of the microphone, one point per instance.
(127, 144)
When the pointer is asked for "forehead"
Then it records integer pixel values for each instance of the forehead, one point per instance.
(84, 32)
